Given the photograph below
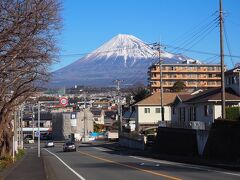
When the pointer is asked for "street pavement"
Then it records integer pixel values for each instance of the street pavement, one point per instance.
(29, 168)
(95, 162)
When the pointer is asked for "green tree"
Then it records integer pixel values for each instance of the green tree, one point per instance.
(98, 127)
(178, 86)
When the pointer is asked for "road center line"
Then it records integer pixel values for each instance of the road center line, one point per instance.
(132, 167)
(78, 175)
(186, 166)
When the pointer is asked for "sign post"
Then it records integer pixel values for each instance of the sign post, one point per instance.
(64, 101)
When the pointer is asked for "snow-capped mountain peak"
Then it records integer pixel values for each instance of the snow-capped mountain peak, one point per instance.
(123, 45)
(122, 57)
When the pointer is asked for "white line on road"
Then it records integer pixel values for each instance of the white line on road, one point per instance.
(209, 169)
(101, 149)
(78, 175)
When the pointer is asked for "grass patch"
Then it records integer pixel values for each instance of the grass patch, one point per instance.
(8, 160)
(5, 162)
(20, 154)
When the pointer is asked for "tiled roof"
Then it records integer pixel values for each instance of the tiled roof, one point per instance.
(155, 99)
(184, 97)
(214, 95)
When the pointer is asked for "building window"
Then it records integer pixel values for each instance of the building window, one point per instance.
(157, 110)
(146, 110)
(233, 80)
(207, 110)
(173, 110)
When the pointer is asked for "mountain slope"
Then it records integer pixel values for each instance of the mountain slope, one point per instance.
(123, 57)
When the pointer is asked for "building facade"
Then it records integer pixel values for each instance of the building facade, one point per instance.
(194, 76)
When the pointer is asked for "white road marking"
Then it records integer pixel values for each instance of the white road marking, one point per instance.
(203, 168)
(78, 175)
(101, 149)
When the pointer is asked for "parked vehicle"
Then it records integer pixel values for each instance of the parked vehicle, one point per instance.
(151, 138)
(112, 135)
(49, 143)
(69, 146)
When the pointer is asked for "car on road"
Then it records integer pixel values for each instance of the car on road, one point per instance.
(49, 143)
(69, 146)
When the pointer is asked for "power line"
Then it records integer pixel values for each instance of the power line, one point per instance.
(228, 44)
(198, 34)
(193, 30)
(199, 52)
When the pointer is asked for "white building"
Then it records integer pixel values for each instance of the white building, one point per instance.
(201, 109)
(148, 111)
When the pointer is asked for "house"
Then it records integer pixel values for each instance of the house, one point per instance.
(232, 79)
(98, 115)
(109, 119)
(148, 111)
(129, 120)
(67, 125)
(201, 109)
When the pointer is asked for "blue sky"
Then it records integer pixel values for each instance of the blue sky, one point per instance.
(87, 24)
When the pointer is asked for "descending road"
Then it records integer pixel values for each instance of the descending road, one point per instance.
(97, 163)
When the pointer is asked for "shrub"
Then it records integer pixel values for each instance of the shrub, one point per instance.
(5, 161)
(232, 113)
(20, 154)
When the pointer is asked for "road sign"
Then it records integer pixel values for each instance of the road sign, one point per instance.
(63, 101)
(37, 133)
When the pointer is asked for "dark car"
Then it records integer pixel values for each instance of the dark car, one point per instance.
(69, 146)
(151, 138)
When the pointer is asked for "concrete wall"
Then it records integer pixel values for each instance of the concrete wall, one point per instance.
(223, 141)
(57, 124)
(62, 127)
(131, 143)
(202, 137)
(176, 141)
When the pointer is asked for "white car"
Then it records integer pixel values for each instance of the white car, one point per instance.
(49, 144)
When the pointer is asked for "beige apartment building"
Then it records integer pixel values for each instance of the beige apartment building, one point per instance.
(195, 76)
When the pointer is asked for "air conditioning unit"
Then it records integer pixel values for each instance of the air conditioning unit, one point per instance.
(197, 125)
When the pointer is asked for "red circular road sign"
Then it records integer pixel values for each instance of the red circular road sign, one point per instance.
(63, 101)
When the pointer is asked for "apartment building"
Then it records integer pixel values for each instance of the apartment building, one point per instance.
(194, 76)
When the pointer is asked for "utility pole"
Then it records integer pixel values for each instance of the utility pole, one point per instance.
(33, 123)
(119, 107)
(158, 48)
(21, 125)
(39, 109)
(84, 117)
(222, 60)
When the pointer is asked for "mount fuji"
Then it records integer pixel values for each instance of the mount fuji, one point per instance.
(124, 57)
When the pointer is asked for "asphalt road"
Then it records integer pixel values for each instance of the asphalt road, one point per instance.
(98, 163)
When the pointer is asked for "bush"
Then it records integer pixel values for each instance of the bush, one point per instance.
(5, 161)
(232, 113)
(20, 154)
(8, 160)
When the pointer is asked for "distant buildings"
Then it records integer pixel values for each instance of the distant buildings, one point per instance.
(194, 76)
(67, 125)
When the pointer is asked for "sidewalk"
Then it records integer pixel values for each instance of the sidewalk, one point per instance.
(30, 167)
(181, 159)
